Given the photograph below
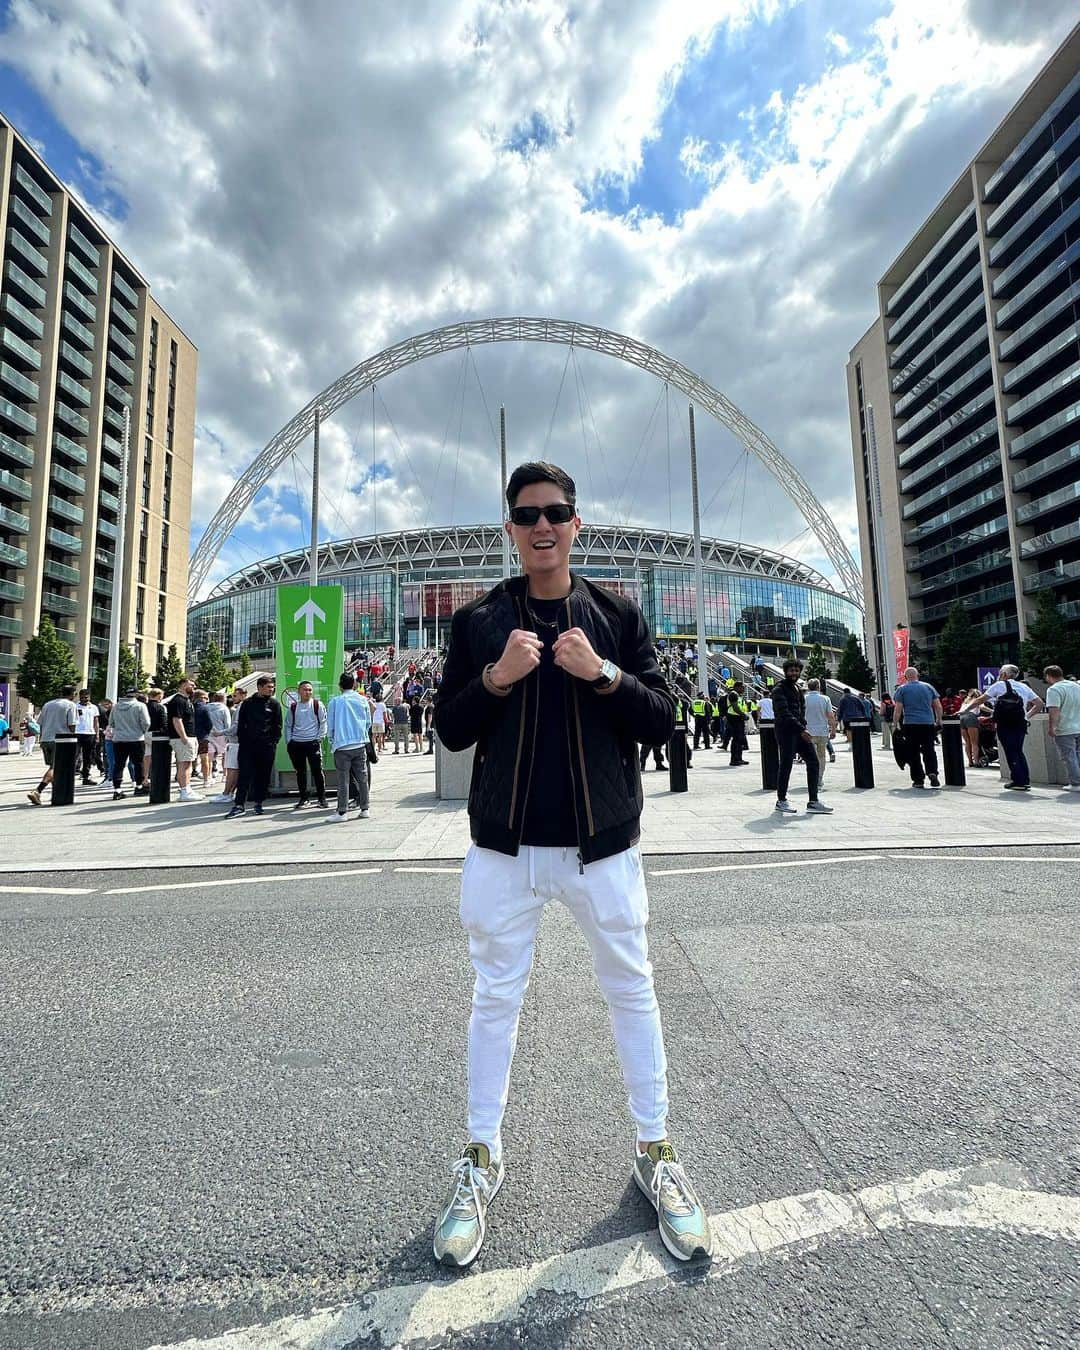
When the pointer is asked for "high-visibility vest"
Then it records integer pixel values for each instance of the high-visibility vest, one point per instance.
(738, 707)
(699, 707)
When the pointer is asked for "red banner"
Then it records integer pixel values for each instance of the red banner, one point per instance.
(901, 639)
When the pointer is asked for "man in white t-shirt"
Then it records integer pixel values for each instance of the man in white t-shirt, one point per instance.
(86, 729)
(1012, 729)
(378, 725)
(1063, 706)
(820, 723)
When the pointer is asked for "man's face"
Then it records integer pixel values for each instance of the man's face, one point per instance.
(544, 548)
(84, 697)
(266, 690)
(305, 692)
(186, 688)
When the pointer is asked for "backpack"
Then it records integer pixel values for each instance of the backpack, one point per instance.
(292, 712)
(33, 727)
(1009, 709)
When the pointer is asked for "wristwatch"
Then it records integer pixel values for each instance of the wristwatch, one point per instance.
(609, 672)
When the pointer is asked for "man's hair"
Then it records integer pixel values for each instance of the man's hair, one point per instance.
(1009, 673)
(812, 684)
(1053, 672)
(793, 662)
(910, 675)
(239, 692)
(307, 682)
(84, 691)
(347, 681)
(67, 691)
(216, 696)
(540, 471)
(200, 693)
(155, 692)
(263, 681)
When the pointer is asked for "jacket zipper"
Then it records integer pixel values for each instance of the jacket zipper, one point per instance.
(581, 745)
(521, 741)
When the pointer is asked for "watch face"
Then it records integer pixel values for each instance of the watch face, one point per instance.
(608, 670)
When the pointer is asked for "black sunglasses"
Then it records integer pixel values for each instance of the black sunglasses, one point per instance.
(558, 513)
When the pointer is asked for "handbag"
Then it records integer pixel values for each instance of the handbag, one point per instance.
(372, 755)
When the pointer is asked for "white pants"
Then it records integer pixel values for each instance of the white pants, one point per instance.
(502, 899)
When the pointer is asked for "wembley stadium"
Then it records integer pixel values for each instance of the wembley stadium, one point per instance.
(403, 588)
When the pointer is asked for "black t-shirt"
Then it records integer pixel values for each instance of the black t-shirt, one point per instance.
(181, 706)
(549, 809)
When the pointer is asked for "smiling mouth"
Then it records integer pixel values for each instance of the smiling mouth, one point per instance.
(545, 544)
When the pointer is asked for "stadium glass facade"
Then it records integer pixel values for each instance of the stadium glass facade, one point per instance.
(411, 606)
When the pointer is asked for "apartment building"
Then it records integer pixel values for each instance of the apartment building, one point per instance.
(82, 341)
(964, 394)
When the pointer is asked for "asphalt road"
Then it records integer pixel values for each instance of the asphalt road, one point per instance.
(228, 1104)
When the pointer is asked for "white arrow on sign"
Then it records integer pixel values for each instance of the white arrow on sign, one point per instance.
(308, 612)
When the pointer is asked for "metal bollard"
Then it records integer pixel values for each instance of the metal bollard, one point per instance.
(65, 752)
(677, 757)
(862, 756)
(160, 770)
(770, 754)
(952, 752)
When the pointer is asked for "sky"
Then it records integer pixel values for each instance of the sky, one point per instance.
(305, 182)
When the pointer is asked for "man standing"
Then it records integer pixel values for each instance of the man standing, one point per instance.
(821, 724)
(182, 737)
(349, 725)
(1013, 703)
(305, 730)
(258, 730)
(400, 714)
(203, 727)
(130, 722)
(793, 738)
(59, 717)
(86, 729)
(1063, 706)
(555, 680)
(851, 709)
(918, 711)
(159, 726)
(738, 711)
(232, 749)
(703, 715)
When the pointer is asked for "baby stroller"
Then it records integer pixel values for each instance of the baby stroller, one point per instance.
(988, 750)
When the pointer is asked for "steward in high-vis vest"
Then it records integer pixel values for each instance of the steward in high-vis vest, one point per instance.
(738, 710)
(703, 715)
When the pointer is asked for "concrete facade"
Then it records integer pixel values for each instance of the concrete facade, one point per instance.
(963, 393)
(81, 340)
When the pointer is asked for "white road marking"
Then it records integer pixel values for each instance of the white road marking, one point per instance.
(750, 867)
(47, 890)
(428, 869)
(979, 857)
(971, 1197)
(244, 881)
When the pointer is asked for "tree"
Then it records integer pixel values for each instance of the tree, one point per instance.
(169, 672)
(853, 669)
(212, 670)
(1051, 639)
(816, 668)
(46, 667)
(959, 651)
(129, 676)
(245, 663)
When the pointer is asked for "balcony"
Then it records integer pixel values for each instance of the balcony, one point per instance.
(89, 251)
(970, 279)
(936, 374)
(1022, 444)
(117, 392)
(108, 500)
(12, 627)
(21, 314)
(1042, 506)
(122, 289)
(101, 614)
(1052, 576)
(105, 559)
(978, 534)
(1059, 226)
(36, 194)
(29, 221)
(27, 285)
(61, 572)
(103, 585)
(107, 530)
(72, 418)
(12, 590)
(22, 384)
(75, 358)
(124, 314)
(68, 510)
(18, 487)
(1036, 360)
(15, 557)
(1049, 276)
(67, 543)
(989, 561)
(77, 391)
(86, 307)
(990, 595)
(1003, 246)
(113, 418)
(109, 472)
(100, 645)
(20, 348)
(77, 329)
(121, 340)
(1043, 543)
(66, 446)
(980, 372)
(1060, 459)
(67, 634)
(1046, 391)
(13, 449)
(983, 401)
(76, 268)
(18, 415)
(59, 604)
(967, 253)
(121, 368)
(14, 520)
(1064, 300)
(29, 256)
(954, 513)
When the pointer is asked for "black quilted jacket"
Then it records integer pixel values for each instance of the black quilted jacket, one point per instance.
(789, 707)
(603, 729)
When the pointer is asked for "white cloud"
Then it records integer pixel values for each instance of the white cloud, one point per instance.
(308, 183)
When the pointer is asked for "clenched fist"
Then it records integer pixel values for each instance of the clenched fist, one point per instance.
(574, 652)
(520, 656)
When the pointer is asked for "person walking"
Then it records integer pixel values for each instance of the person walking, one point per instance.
(258, 730)
(554, 679)
(1063, 707)
(1013, 703)
(821, 724)
(232, 750)
(738, 713)
(349, 727)
(129, 722)
(182, 737)
(59, 717)
(86, 732)
(703, 714)
(29, 730)
(888, 709)
(918, 712)
(794, 738)
(305, 731)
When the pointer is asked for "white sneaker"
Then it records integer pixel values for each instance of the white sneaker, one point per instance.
(186, 795)
(1074, 787)
(336, 817)
(785, 808)
(364, 814)
(222, 797)
(819, 807)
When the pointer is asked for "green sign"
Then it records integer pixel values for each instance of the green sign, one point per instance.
(310, 646)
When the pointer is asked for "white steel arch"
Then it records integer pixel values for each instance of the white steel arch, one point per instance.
(565, 333)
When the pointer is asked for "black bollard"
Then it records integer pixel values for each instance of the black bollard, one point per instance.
(770, 754)
(160, 770)
(65, 752)
(677, 758)
(952, 752)
(862, 756)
